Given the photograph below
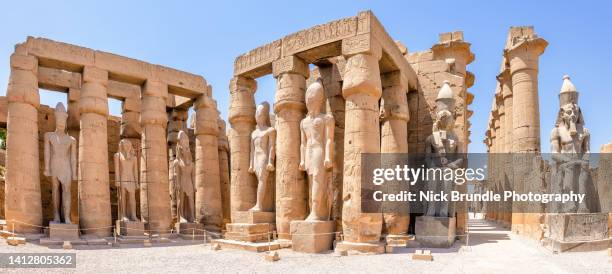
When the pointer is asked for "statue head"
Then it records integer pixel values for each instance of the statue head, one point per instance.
(262, 115)
(445, 103)
(60, 117)
(125, 147)
(569, 112)
(315, 97)
(221, 125)
(183, 139)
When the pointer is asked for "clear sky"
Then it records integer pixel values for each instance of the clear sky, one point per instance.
(204, 37)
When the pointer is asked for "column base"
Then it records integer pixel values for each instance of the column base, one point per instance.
(360, 248)
(312, 236)
(398, 240)
(435, 231)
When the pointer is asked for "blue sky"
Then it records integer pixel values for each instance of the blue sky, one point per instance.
(204, 37)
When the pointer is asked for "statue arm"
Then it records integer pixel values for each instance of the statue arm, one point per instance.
(460, 153)
(47, 147)
(271, 146)
(73, 158)
(135, 169)
(586, 146)
(329, 144)
(555, 148)
(302, 147)
(428, 152)
(251, 155)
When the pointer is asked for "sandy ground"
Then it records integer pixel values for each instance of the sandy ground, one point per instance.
(491, 250)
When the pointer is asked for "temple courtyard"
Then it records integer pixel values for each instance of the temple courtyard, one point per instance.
(491, 249)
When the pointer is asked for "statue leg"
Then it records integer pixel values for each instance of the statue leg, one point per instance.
(66, 199)
(261, 190)
(431, 205)
(131, 200)
(582, 183)
(446, 187)
(317, 195)
(55, 195)
(180, 214)
(191, 201)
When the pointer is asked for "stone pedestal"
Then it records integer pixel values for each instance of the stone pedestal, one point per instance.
(398, 240)
(578, 232)
(312, 236)
(63, 232)
(435, 231)
(250, 231)
(190, 230)
(130, 228)
(367, 248)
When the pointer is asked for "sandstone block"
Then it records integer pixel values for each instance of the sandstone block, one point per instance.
(65, 232)
(254, 217)
(312, 236)
(578, 227)
(130, 228)
(190, 228)
(435, 231)
(423, 255)
(14, 241)
(272, 256)
(367, 248)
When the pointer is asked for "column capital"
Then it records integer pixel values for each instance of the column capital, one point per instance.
(362, 75)
(394, 78)
(24, 62)
(524, 53)
(361, 44)
(155, 88)
(242, 84)
(290, 64)
(206, 119)
(93, 74)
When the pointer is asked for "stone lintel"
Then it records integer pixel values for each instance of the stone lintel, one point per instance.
(24, 62)
(361, 44)
(95, 75)
(290, 64)
(59, 80)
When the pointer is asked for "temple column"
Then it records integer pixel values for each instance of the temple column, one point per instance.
(242, 120)
(94, 189)
(362, 90)
(223, 150)
(209, 210)
(73, 126)
(394, 141)
(499, 129)
(291, 194)
(23, 205)
(523, 56)
(506, 83)
(154, 161)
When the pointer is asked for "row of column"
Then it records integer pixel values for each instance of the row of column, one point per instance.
(23, 198)
(355, 106)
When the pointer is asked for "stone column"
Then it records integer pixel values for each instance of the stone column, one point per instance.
(131, 130)
(23, 205)
(499, 147)
(94, 188)
(154, 161)
(242, 120)
(73, 126)
(291, 190)
(523, 56)
(361, 89)
(332, 82)
(223, 150)
(506, 85)
(394, 140)
(209, 209)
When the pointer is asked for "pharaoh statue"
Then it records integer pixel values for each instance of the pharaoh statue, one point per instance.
(126, 180)
(60, 164)
(317, 146)
(570, 149)
(442, 150)
(183, 176)
(263, 143)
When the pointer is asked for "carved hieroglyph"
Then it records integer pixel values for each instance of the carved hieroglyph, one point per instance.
(263, 142)
(442, 149)
(569, 143)
(60, 164)
(183, 176)
(126, 180)
(317, 146)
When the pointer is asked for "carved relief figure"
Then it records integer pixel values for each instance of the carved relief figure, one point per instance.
(60, 163)
(442, 149)
(126, 180)
(184, 178)
(263, 142)
(570, 149)
(317, 146)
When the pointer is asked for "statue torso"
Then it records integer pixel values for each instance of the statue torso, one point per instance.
(60, 165)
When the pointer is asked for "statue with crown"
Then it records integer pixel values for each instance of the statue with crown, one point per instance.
(573, 223)
(442, 151)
